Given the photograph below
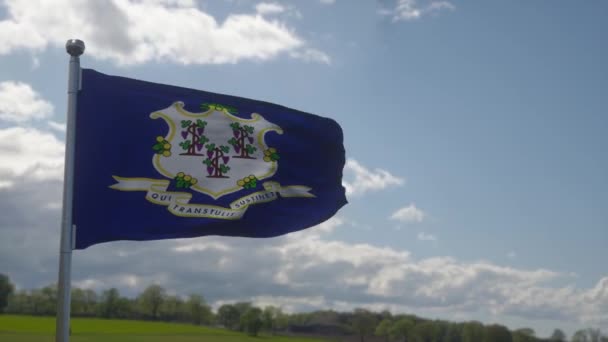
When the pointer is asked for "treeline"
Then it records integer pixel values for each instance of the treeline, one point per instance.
(362, 325)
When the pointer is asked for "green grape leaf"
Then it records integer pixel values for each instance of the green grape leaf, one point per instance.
(185, 144)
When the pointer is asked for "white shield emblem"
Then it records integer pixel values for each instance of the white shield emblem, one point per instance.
(214, 152)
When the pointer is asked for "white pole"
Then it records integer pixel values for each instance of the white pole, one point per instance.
(75, 48)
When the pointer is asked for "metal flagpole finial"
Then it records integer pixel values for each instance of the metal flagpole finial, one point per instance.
(74, 47)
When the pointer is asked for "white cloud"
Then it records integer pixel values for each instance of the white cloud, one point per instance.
(20, 103)
(134, 32)
(268, 8)
(511, 255)
(30, 153)
(409, 214)
(358, 179)
(422, 236)
(327, 2)
(57, 126)
(415, 9)
(311, 55)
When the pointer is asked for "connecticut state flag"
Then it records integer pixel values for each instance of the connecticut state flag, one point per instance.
(155, 161)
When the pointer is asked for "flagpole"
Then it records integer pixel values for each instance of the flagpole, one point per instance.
(74, 48)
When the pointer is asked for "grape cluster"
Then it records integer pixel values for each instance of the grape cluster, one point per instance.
(184, 181)
(249, 182)
(271, 154)
(162, 147)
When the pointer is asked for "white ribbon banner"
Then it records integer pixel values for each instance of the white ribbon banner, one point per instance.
(178, 203)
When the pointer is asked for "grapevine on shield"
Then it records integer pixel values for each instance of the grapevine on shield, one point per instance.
(217, 161)
(192, 132)
(242, 140)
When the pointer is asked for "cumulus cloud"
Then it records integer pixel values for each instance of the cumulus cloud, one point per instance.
(134, 32)
(311, 55)
(57, 126)
(407, 10)
(359, 180)
(31, 154)
(409, 214)
(269, 8)
(20, 103)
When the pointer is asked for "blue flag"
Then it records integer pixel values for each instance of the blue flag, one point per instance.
(155, 161)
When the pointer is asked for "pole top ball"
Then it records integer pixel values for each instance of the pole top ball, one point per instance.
(74, 47)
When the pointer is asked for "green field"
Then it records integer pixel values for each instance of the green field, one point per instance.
(42, 329)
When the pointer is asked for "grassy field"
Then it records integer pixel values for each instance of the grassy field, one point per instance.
(42, 329)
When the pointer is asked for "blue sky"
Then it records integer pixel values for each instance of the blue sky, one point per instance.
(475, 132)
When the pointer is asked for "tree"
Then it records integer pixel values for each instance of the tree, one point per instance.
(401, 329)
(439, 329)
(173, 309)
(472, 332)
(228, 316)
(200, 312)
(580, 336)
(83, 302)
(6, 289)
(20, 303)
(270, 318)
(363, 323)
(90, 302)
(594, 335)
(281, 321)
(78, 302)
(558, 336)
(384, 329)
(497, 333)
(524, 335)
(151, 300)
(453, 333)
(45, 300)
(424, 332)
(109, 306)
(251, 321)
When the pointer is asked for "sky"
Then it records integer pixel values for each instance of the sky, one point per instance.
(475, 135)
